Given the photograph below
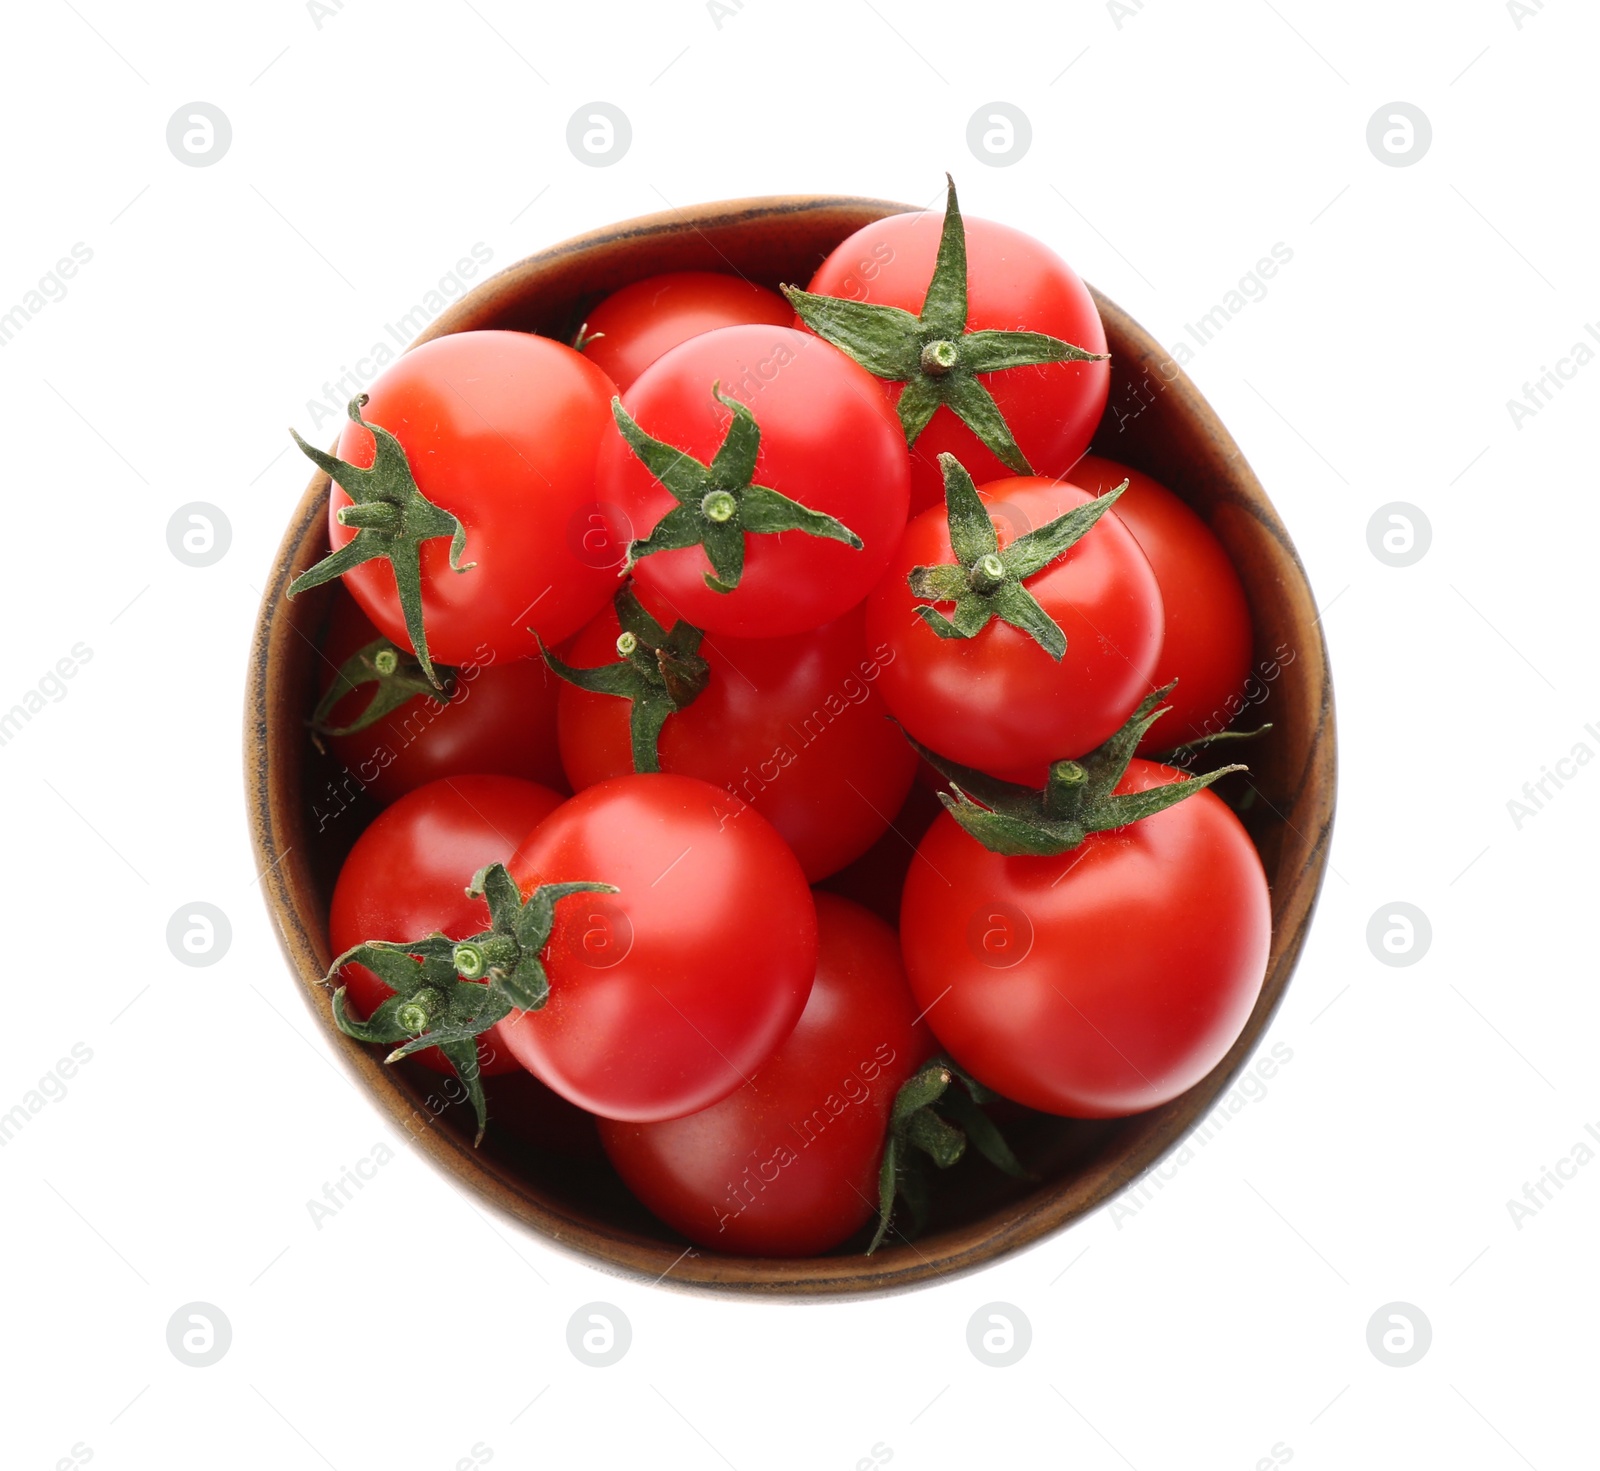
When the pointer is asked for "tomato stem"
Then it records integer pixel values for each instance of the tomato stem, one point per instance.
(1079, 797)
(933, 354)
(718, 503)
(392, 519)
(939, 357)
(661, 672)
(985, 580)
(398, 677)
(432, 1006)
(931, 1118)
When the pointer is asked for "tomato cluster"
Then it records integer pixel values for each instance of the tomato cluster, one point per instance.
(643, 638)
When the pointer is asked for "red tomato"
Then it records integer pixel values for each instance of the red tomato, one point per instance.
(1101, 982)
(998, 701)
(1207, 635)
(407, 877)
(828, 441)
(794, 726)
(667, 995)
(631, 328)
(500, 721)
(788, 1164)
(501, 430)
(1014, 283)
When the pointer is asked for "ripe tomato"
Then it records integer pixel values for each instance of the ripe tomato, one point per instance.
(500, 720)
(408, 872)
(631, 328)
(788, 1164)
(827, 440)
(667, 995)
(998, 701)
(500, 430)
(1014, 283)
(794, 726)
(1207, 637)
(1103, 981)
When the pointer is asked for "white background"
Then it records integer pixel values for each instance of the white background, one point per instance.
(1224, 1318)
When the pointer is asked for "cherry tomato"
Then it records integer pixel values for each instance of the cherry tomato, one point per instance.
(408, 873)
(500, 720)
(1014, 283)
(1207, 638)
(500, 430)
(998, 701)
(667, 995)
(631, 328)
(788, 1164)
(794, 726)
(828, 440)
(1101, 982)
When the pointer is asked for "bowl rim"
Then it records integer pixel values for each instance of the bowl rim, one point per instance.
(1057, 1203)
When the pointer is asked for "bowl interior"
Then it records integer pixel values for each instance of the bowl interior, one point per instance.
(306, 811)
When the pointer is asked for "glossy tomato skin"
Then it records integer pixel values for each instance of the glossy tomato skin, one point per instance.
(1102, 982)
(788, 1164)
(1206, 632)
(794, 726)
(631, 328)
(998, 701)
(501, 429)
(1014, 283)
(665, 996)
(500, 721)
(407, 877)
(829, 440)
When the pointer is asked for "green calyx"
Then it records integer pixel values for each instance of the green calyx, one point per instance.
(1078, 798)
(659, 671)
(1183, 755)
(933, 354)
(433, 1006)
(392, 518)
(397, 675)
(934, 1120)
(985, 581)
(717, 504)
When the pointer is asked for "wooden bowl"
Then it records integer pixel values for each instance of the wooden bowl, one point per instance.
(305, 812)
